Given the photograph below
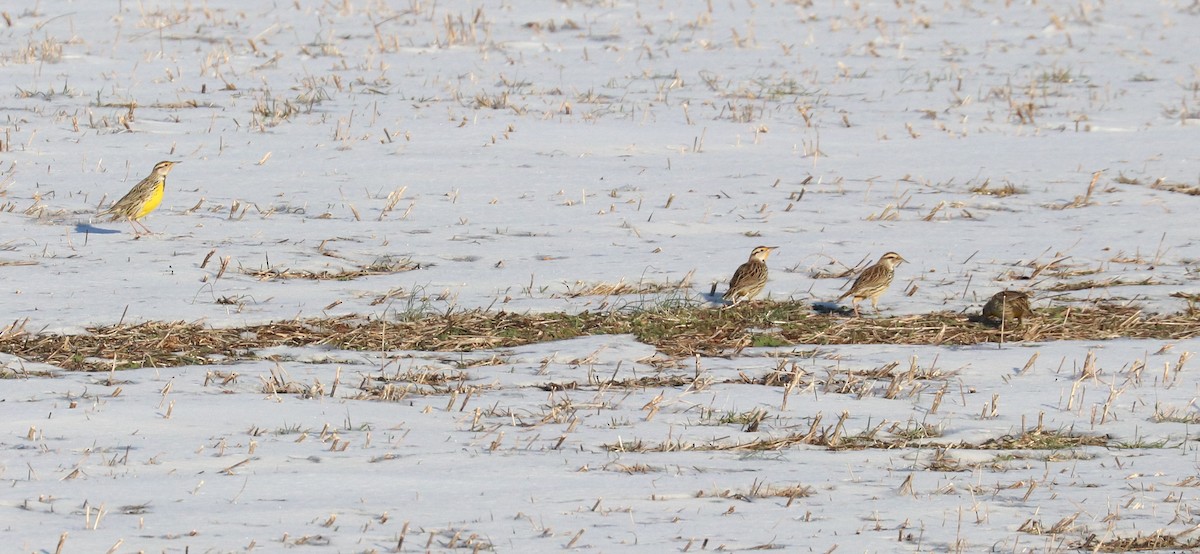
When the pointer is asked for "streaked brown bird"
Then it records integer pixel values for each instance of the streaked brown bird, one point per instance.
(873, 281)
(750, 277)
(1008, 304)
(142, 199)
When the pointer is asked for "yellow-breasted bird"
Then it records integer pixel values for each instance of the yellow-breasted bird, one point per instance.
(143, 198)
(750, 277)
(873, 281)
(1008, 304)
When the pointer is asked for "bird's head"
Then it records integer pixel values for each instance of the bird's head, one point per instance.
(164, 167)
(760, 253)
(891, 259)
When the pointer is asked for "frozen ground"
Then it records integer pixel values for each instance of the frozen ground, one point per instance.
(522, 451)
(511, 156)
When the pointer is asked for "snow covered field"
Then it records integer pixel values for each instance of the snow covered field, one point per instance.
(381, 158)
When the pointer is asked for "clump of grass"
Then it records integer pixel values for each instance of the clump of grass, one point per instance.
(428, 376)
(633, 383)
(423, 382)
(1121, 179)
(749, 421)
(454, 538)
(620, 288)
(944, 462)
(913, 430)
(552, 26)
(269, 111)
(822, 273)
(778, 88)
(279, 382)
(383, 266)
(1038, 439)
(1174, 415)
(461, 31)
(986, 189)
(47, 50)
(1094, 284)
(11, 373)
(632, 469)
(1158, 540)
(767, 341)
(760, 489)
(1062, 526)
(1057, 75)
(497, 101)
(1190, 190)
(834, 437)
(1140, 444)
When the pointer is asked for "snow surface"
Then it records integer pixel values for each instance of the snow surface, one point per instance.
(533, 149)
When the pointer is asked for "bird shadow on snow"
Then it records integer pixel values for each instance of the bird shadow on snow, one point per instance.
(90, 229)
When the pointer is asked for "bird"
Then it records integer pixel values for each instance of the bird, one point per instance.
(750, 277)
(1008, 304)
(873, 281)
(143, 198)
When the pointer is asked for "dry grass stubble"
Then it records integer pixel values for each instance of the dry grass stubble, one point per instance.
(681, 330)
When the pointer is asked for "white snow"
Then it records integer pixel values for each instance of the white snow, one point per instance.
(634, 141)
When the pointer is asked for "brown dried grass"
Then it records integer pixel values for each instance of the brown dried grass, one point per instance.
(1190, 190)
(833, 437)
(1103, 284)
(1158, 540)
(676, 331)
(620, 288)
(1008, 189)
(381, 267)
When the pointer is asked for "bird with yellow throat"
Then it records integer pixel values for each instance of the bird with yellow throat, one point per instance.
(142, 199)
